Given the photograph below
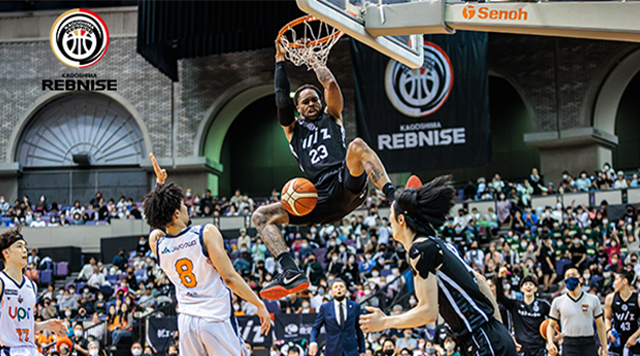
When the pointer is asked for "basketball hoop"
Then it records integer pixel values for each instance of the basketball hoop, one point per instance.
(312, 45)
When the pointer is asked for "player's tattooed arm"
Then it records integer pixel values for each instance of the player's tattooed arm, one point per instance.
(332, 93)
(375, 173)
(266, 219)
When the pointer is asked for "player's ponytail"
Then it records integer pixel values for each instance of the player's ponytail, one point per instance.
(426, 208)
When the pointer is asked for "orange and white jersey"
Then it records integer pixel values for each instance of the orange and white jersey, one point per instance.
(17, 312)
(200, 290)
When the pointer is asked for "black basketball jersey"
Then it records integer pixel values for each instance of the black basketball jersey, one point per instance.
(526, 317)
(461, 303)
(625, 316)
(318, 145)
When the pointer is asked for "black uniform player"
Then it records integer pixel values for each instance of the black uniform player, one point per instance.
(444, 283)
(317, 140)
(621, 312)
(527, 315)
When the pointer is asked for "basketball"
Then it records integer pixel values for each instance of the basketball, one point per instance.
(543, 328)
(299, 196)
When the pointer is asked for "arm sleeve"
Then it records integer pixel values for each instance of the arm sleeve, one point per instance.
(283, 101)
(426, 257)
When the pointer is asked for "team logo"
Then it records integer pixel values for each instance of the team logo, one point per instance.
(291, 330)
(536, 308)
(420, 92)
(166, 250)
(585, 308)
(624, 307)
(79, 38)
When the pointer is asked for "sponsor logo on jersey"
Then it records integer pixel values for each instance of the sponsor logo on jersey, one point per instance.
(19, 313)
(11, 292)
(484, 13)
(182, 246)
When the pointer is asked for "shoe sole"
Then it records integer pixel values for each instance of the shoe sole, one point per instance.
(280, 292)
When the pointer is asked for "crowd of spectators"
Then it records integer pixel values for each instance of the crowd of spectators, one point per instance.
(606, 178)
(526, 240)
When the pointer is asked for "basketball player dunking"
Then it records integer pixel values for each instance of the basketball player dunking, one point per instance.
(444, 283)
(196, 262)
(18, 298)
(621, 312)
(317, 140)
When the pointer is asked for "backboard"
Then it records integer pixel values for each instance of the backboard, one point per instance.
(348, 16)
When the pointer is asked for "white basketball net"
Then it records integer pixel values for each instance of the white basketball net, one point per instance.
(312, 48)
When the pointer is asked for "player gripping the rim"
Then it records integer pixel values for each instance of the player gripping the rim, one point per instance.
(339, 173)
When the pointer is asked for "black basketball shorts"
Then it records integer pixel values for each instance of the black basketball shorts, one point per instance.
(339, 193)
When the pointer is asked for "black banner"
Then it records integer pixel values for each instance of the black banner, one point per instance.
(296, 328)
(160, 332)
(433, 117)
(288, 327)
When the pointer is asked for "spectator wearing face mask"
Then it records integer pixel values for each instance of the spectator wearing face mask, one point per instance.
(407, 341)
(136, 349)
(450, 347)
(475, 257)
(388, 349)
(80, 344)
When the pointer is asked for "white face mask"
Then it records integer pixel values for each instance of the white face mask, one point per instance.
(342, 249)
(367, 292)
(449, 346)
(395, 271)
(606, 274)
(587, 276)
(305, 246)
(375, 273)
(93, 352)
(334, 258)
(67, 313)
(352, 260)
(77, 333)
(412, 302)
(136, 352)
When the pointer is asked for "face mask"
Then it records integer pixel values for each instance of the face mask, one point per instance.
(407, 336)
(42, 199)
(458, 230)
(334, 258)
(339, 298)
(629, 227)
(71, 291)
(412, 302)
(342, 249)
(367, 257)
(352, 260)
(559, 243)
(77, 333)
(606, 168)
(587, 276)
(68, 314)
(605, 221)
(430, 350)
(572, 283)
(305, 245)
(305, 305)
(559, 206)
(449, 346)
(564, 176)
(275, 353)
(367, 292)
(507, 286)
(136, 352)
(590, 243)
(93, 352)
(576, 241)
(375, 273)
(524, 245)
(388, 352)
(188, 194)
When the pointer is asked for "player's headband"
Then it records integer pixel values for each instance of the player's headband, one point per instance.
(10, 241)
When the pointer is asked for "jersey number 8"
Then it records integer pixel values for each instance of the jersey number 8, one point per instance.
(184, 267)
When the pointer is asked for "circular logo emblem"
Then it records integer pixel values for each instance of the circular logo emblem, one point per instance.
(536, 308)
(420, 92)
(79, 38)
(624, 307)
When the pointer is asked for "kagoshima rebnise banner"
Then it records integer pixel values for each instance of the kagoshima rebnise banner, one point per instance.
(433, 117)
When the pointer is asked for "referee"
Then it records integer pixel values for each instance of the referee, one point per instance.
(576, 311)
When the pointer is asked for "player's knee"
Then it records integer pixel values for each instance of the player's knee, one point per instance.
(358, 147)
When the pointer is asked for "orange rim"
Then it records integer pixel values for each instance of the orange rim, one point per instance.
(301, 20)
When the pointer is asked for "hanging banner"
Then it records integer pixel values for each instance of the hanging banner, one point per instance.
(160, 333)
(296, 328)
(433, 117)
